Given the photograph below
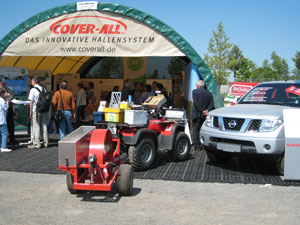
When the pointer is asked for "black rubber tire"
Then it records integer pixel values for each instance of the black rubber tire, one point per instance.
(125, 180)
(142, 156)
(280, 166)
(70, 182)
(220, 158)
(182, 147)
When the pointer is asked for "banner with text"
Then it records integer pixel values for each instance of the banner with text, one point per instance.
(92, 33)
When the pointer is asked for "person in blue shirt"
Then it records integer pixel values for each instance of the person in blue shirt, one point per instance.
(3, 123)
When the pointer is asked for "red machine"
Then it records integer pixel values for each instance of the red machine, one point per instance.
(153, 129)
(143, 143)
(91, 158)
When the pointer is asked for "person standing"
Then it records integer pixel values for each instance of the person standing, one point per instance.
(154, 87)
(80, 104)
(10, 112)
(202, 104)
(137, 93)
(64, 100)
(146, 94)
(3, 124)
(90, 92)
(126, 90)
(39, 119)
(91, 108)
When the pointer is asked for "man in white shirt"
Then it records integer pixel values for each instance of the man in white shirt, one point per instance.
(38, 119)
(80, 104)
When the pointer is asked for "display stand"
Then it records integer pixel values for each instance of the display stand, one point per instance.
(292, 144)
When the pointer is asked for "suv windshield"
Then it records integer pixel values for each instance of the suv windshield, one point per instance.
(274, 93)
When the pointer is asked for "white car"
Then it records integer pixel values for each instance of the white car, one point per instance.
(253, 126)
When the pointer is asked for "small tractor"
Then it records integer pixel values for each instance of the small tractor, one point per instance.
(91, 158)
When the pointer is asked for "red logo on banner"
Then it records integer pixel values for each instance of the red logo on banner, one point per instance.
(65, 26)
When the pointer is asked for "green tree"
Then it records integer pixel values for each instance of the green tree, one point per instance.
(280, 66)
(235, 57)
(154, 74)
(265, 73)
(246, 69)
(217, 57)
(110, 67)
(176, 66)
(297, 60)
(296, 71)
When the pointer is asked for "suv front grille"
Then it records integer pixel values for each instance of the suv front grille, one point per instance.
(254, 125)
(216, 122)
(233, 124)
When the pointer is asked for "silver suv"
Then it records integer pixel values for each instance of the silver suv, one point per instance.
(253, 126)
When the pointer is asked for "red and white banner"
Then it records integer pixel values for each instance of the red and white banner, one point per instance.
(92, 33)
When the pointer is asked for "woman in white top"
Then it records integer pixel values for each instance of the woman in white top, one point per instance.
(3, 124)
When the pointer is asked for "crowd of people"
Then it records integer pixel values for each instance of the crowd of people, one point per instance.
(140, 93)
(65, 108)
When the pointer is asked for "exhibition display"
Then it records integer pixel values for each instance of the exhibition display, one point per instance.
(69, 42)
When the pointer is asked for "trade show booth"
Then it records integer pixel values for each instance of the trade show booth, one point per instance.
(67, 41)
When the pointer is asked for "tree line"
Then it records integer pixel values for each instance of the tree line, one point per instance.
(224, 58)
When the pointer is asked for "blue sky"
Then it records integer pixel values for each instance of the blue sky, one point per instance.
(258, 27)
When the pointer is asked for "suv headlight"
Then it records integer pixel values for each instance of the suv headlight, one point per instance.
(269, 125)
(209, 121)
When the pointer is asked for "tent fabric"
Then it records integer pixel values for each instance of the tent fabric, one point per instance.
(57, 65)
(69, 65)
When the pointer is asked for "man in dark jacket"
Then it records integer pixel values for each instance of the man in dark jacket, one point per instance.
(202, 103)
(126, 90)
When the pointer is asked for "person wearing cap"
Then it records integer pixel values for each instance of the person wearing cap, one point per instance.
(9, 95)
(3, 124)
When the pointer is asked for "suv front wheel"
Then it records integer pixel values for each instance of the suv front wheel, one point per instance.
(280, 165)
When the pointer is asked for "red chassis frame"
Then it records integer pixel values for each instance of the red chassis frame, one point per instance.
(106, 167)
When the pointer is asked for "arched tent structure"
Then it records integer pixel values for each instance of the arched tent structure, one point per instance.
(47, 40)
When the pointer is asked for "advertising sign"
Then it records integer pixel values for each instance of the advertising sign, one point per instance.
(135, 69)
(16, 78)
(87, 5)
(292, 144)
(238, 90)
(92, 33)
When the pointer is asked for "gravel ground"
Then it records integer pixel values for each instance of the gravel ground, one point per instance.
(27, 199)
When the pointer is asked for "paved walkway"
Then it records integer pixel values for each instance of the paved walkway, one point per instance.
(34, 199)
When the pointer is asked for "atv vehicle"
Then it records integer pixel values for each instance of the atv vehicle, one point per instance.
(141, 143)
